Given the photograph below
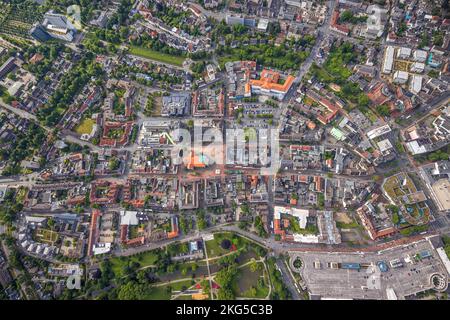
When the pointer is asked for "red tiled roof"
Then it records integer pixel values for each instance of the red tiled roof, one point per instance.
(269, 80)
(93, 230)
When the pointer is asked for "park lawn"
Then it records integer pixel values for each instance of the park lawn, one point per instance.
(20, 196)
(155, 55)
(47, 235)
(322, 74)
(343, 225)
(176, 286)
(214, 248)
(144, 259)
(60, 111)
(159, 293)
(224, 59)
(188, 265)
(247, 279)
(85, 127)
(117, 266)
(148, 258)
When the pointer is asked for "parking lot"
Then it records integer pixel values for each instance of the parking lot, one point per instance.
(329, 280)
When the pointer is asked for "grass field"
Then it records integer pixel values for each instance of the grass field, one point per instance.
(343, 225)
(177, 286)
(155, 55)
(163, 293)
(160, 293)
(213, 246)
(248, 279)
(47, 236)
(144, 259)
(85, 127)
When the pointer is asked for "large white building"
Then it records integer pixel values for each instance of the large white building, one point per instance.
(58, 26)
(420, 55)
(376, 22)
(400, 77)
(417, 67)
(416, 84)
(388, 60)
(403, 53)
(300, 214)
(378, 132)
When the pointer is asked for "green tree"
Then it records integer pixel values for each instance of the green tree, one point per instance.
(384, 110)
(134, 291)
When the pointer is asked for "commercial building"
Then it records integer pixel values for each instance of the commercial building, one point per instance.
(417, 67)
(385, 146)
(233, 20)
(416, 84)
(156, 132)
(38, 32)
(400, 77)
(420, 55)
(388, 60)
(58, 26)
(441, 189)
(403, 53)
(415, 147)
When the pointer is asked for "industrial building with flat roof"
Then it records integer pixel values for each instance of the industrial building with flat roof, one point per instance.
(420, 55)
(401, 77)
(415, 85)
(388, 60)
(403, 53)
